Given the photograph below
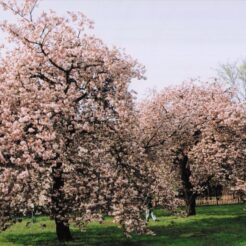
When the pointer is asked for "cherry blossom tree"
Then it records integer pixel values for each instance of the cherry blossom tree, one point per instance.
(66, 142)
(197, 133)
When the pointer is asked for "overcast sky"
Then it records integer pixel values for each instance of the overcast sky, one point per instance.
(175, 40)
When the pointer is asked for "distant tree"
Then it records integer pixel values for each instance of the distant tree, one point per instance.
(197, 134)
(234, 75)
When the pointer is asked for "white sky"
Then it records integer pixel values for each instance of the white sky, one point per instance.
(175, 40)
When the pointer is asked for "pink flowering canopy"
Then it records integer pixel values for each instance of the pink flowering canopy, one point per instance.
(66, 142)
(197, 134)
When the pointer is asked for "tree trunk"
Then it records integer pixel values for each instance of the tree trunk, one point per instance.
(191, 205)
(62, 231)
(58, 203)
(189, 195)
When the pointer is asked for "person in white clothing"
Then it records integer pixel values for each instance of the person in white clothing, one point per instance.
(149, 211)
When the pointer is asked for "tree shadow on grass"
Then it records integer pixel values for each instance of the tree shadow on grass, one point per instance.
(42, 238)
(109, 236)
(203, 232)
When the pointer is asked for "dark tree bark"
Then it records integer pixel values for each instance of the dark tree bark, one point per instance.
(62, 231)
(62, 228)
(191, 205)
(189, 195)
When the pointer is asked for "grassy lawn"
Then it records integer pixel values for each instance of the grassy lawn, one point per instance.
(213, 225)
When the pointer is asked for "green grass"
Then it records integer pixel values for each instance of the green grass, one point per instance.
(212, 226)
